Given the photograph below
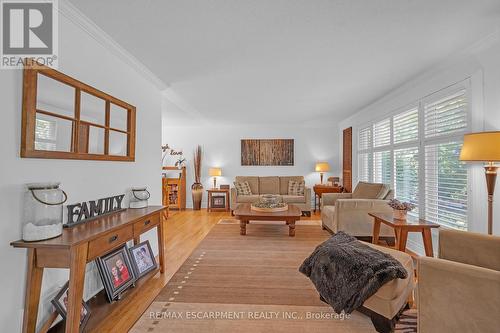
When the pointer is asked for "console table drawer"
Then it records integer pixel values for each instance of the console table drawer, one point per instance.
(109, 241)
(146, 224)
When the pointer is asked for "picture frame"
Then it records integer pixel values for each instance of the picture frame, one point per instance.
(60, 304)
(143, 259)
(116, 272)
(225, 187)
(218, 201)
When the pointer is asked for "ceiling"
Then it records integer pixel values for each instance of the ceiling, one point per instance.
(287, 61)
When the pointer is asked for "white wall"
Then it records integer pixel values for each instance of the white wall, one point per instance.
(82, 57)
(481, 64)
(221, 145)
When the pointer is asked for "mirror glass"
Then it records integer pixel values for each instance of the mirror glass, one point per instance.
(92, 109)
(54, 96)
(117, 143)
(52, 133)
(96, 140)
(118, 117)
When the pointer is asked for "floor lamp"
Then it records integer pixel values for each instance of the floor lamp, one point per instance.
(484, 147)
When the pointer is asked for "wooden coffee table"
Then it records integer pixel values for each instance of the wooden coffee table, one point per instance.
(401, 229)
(245, 214)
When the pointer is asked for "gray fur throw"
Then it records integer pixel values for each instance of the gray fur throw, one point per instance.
(347, 272)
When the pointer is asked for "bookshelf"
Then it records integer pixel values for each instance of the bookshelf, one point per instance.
(174, 187)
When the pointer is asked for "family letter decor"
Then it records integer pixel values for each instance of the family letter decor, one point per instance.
(81, 212)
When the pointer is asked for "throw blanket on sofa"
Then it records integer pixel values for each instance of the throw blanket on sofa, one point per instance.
(346, 272)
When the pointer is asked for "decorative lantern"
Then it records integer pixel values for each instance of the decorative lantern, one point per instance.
(139, 197)
(43, 211)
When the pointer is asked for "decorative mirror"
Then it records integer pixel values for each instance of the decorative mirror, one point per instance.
(68, 119)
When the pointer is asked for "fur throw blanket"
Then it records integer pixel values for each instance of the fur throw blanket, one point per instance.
(346, 272)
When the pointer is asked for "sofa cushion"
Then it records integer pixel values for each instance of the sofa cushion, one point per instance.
(247, 198)
(294, 198)
(269, 185)
(370, 191)
(284, 182)
(296, 188)
(253, 181)
(242, 188)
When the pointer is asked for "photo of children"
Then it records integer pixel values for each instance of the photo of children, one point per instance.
(143, 258)
(120, 273)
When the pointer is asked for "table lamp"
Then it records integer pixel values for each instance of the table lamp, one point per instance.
(215, 172)
(484, 147)
(322, 167)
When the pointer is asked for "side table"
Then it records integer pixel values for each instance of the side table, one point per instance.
(218, 202)
(319, 189)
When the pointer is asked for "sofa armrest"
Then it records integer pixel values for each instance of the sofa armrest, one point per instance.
(470, 248)
(307, 193)
(456, 297)
(234, 197)
(329, 199)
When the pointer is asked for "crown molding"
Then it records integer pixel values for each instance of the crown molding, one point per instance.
(74, 15)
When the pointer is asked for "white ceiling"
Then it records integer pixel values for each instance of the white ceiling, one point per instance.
(291, 61)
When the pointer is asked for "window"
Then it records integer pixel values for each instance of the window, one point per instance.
(421, 162)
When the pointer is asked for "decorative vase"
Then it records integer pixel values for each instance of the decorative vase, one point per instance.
(197, 194)
(399, 214)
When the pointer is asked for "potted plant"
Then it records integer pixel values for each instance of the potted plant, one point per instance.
(197, 187)
(400, 209)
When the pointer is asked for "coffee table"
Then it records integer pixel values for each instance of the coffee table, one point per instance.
(245, 214)
(401, 229)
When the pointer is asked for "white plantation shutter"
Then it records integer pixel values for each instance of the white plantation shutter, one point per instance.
(406, 176)
(45, 134)
(364, 162)
(445, 185)
(382, 133)
(364, 138)
(382, 168)
(447, 115)
(406, 126)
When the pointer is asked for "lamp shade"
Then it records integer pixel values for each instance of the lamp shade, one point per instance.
(322, 167)
(215, 172)
(481, 147)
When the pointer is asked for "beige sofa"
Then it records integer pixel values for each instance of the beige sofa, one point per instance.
(460, 291)
(272, 185)
(348, 212)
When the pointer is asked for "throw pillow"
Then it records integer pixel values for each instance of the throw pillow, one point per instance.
(243, 188)
(296, 187)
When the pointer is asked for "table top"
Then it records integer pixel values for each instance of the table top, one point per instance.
(217, 190)
(87, 231)
(410, 221)
(245, 209)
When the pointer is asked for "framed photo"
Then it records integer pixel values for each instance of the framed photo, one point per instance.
(143, 259)
(218, 201)
(60, 302)
(225, 187)
(116, 272)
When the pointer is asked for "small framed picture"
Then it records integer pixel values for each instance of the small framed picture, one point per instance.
(224, 187)
(218, 201)
(60, 302)
(116, 272)
(143, 259)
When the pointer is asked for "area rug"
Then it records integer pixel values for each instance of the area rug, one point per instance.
(247, 284)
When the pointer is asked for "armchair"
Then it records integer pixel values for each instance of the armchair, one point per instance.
(460, 291)
(349, 211)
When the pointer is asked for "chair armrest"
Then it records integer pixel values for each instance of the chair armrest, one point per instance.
(470, 248)
(329, 199)
(456, 297)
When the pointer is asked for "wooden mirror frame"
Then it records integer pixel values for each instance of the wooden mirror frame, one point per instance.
(31, 72)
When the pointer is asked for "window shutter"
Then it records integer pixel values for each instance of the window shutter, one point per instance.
(406, 176)
(382, 133)
(406, 126)
(364, 162)
(446, 116)
(445, 185)
(364, 138)
(382, 168)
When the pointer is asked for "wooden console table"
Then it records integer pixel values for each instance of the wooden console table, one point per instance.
(210, 207)
(401, 229)
(76, 247)
(319, 189)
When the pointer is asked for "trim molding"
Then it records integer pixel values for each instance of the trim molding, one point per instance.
(74, 15)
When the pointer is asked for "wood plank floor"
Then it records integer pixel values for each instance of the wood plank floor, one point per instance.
(185, 230)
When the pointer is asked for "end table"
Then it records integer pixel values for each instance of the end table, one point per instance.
(319, 189)
(218, 202)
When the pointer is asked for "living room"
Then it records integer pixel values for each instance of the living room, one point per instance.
(250, 166)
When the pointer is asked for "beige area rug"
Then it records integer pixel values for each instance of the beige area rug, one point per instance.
(247, 284)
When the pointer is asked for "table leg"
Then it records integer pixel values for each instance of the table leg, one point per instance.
(403, 237)
(160, 230)
(208, 203)
(228, 202)
(32, 297)
(427, 237)
(397, 234)
(315, 202)
(291, 228)
(376, 231)
(78, 260)
(243, 227)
